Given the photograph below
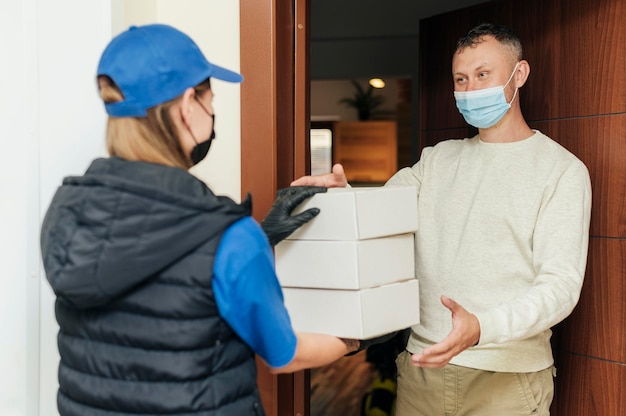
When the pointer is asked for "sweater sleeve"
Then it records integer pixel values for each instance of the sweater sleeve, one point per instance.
(410, 175)
(559, 256)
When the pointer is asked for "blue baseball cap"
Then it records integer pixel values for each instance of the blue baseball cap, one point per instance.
(153, 64)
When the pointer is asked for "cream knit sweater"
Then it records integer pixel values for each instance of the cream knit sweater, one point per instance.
(503, 230)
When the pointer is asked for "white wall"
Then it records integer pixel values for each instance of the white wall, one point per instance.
(17, 204)
(53, 126)
(214, 25)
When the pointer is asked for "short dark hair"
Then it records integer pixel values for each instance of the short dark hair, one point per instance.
(502, 34)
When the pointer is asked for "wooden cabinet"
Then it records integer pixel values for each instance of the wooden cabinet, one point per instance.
(366, 149)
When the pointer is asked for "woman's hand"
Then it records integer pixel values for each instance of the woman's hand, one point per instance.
(278, 224)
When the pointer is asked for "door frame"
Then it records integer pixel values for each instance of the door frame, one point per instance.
(275, 113)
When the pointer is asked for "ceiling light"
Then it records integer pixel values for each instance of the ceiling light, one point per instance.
(377, 83)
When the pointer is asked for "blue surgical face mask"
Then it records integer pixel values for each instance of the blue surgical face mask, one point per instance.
(484, 108)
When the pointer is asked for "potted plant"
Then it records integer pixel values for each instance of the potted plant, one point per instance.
(363, 100)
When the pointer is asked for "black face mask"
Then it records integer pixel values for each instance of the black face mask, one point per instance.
(200, 150)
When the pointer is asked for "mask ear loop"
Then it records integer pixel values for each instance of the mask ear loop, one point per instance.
(190, 132)
(507, 83)
(206, 111)
(513, 99)
(188, 127)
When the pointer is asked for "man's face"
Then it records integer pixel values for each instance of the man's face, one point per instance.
(487, 64)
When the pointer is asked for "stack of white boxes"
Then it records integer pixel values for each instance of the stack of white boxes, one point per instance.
(350, 272)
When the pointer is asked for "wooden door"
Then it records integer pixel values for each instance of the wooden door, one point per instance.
(275, 137)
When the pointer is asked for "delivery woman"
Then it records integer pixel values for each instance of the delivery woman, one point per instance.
(166, 291)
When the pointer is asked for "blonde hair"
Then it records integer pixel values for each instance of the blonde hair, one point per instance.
(152, 139)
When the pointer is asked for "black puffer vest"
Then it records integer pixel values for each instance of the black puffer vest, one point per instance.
(129, 249)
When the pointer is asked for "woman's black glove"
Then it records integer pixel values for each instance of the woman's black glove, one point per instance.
(279, 223)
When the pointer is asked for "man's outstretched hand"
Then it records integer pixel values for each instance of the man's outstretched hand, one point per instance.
(465, 334)
(279, 223)
(335, 179)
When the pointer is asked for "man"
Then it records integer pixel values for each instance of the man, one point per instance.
(500, 250)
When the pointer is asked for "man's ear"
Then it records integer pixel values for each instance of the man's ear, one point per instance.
(522, 73)
(186, 109)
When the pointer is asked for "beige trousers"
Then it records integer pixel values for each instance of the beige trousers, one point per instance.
(462, 391)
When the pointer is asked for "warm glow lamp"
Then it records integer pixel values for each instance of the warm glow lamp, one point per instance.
(377, 83)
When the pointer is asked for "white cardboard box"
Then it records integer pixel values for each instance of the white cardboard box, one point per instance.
(345, 264)
(359, 213)
(356, 314)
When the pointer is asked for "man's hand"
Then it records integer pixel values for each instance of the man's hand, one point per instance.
(465, 334)
(279, 223)
(336, 179)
